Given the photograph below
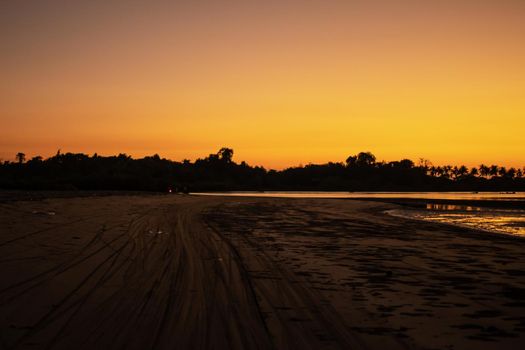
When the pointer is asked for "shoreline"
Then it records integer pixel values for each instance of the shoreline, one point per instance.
(517, 203)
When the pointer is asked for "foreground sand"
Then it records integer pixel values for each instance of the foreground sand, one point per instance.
(159, 272)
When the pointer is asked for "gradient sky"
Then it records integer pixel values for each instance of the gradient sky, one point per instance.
(281, 82)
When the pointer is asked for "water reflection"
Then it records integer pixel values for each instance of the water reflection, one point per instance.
(506, 196)
(494, 220)
(454, 207)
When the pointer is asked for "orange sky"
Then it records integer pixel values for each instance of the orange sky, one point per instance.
(281, 82)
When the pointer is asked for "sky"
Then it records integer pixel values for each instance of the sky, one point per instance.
(281, 82)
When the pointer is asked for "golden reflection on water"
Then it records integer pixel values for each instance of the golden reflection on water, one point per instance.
(494, 220)
(434, 206)
(496, 196)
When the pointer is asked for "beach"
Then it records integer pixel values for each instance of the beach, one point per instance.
(179, 271)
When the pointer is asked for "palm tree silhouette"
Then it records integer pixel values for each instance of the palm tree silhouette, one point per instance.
(462, 171)
(494, 170)
(484, 170)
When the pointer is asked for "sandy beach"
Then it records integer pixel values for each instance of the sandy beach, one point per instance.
(191, 272)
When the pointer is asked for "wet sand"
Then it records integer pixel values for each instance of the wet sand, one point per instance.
(164, 272)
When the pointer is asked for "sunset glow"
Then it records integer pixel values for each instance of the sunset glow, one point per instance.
(280, 82)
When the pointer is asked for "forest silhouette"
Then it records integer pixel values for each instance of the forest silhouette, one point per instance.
(218, 172)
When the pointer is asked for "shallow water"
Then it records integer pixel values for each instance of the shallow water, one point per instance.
(505, 196)
(493, 220)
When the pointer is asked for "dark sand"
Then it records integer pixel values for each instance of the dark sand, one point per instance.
(182, 272)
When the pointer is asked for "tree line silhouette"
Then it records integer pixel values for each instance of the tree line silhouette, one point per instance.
(218, 172)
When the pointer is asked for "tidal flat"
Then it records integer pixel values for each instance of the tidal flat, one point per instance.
(179, 271)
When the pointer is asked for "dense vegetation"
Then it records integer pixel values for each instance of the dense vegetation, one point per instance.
(219, 172)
